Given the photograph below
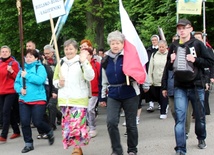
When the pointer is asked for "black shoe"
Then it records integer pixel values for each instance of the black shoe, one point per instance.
(202, 144)
(51, 138)
(27, 149)
(59, 120)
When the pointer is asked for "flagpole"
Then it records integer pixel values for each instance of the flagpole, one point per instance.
(162, 36)
(204, 22)
(55, 44)
(177, 15)
(21, 36)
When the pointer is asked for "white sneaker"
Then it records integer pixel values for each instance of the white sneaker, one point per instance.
(159, 107)
(167, 109)
(163, 116)
(150, 109)
(124, 123)
(122, 114)
(93, 133)
(137, 120)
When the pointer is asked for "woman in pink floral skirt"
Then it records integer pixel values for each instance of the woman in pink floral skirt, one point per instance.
(73, 92)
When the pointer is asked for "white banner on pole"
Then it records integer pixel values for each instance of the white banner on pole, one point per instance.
(44, 8)
(189, 7)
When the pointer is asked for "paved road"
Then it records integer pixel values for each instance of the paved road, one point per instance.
(156, 137)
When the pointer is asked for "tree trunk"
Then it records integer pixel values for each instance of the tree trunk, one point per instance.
(95, 25)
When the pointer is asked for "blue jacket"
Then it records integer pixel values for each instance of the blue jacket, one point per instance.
(113, 80)
(35, 79)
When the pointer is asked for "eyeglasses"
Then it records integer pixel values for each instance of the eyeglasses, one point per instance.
(183, 27)
(46, 53)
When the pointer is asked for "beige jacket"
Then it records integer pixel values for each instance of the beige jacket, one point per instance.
(156, 67)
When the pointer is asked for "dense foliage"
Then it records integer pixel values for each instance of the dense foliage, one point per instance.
(94, 19)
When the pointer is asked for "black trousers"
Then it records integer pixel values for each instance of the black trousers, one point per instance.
(163, 101)
(53, 112)
(130, 107)
(10, 111)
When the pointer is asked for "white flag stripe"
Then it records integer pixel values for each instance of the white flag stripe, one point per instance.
(131, 35)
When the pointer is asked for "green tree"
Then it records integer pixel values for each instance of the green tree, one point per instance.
(94, 19)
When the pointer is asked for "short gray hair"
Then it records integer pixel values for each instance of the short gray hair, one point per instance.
(49, 47)
(162, 42)
(5, 46)
(115, 35)
(72, 42)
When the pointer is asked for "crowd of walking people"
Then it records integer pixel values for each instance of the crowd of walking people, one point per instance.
(46, 92)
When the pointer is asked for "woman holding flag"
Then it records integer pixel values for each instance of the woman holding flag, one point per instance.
(120, 95)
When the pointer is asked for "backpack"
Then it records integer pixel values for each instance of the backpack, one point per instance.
(11, 62)
(184, 71)
(48, 87)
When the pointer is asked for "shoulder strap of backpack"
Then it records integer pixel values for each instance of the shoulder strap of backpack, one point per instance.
(104, 62)
(80, 66)
(61, 62)
(153, 54)
(11, 62)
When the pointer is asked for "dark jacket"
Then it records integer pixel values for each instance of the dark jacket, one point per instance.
(49, 87)
(209, 72)
(113, 80)
(150, 50)
(167, 82)
(203, 60)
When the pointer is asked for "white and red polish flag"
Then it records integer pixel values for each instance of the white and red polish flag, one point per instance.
(135, 55)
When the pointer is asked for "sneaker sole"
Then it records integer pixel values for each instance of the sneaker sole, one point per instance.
(202, 147)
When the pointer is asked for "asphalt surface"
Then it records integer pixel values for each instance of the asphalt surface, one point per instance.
(156, 137)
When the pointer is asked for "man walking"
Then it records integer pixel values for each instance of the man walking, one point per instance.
(188, 87)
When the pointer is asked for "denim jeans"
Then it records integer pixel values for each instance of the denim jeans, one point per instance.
(36, 113)
(91, 113)
(181, 99)
(130, 107)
